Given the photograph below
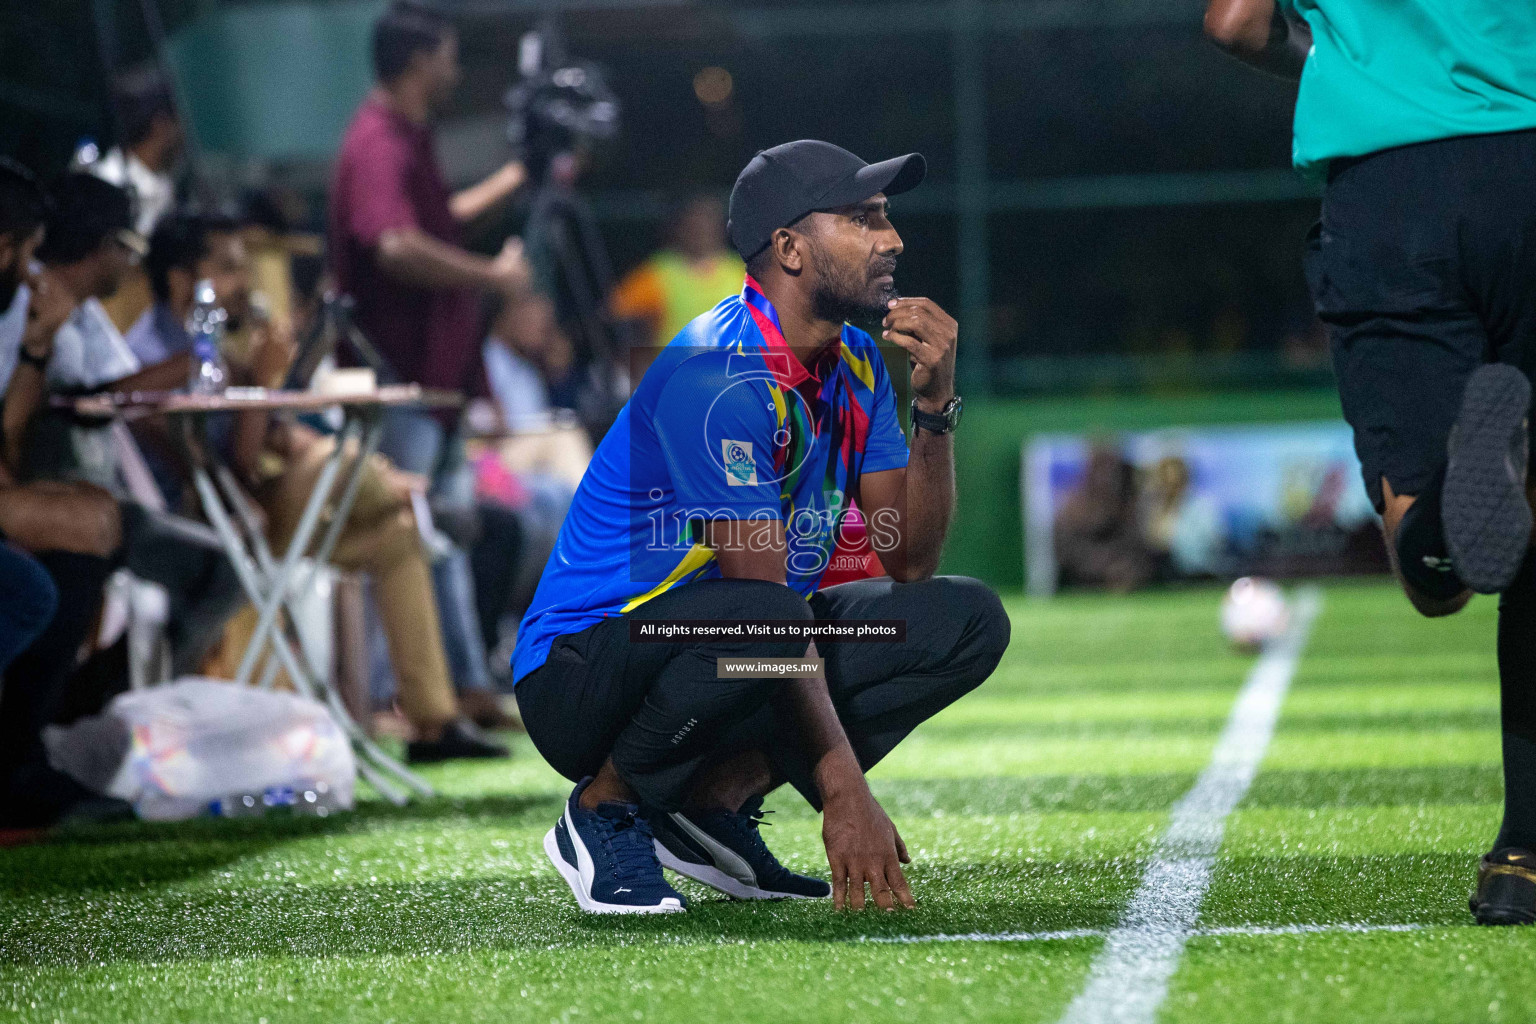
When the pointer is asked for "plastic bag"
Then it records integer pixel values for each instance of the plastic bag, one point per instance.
(195, 742)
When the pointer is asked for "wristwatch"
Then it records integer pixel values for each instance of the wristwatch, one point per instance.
(941, 422)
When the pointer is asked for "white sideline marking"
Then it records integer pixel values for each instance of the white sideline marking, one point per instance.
(1129, 977)
(1345, 927)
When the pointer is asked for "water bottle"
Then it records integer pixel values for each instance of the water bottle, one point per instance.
(87, 154)
(316, 799)
(205, 324)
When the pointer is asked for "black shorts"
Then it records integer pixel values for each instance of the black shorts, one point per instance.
(659, 712)
(1423, 266)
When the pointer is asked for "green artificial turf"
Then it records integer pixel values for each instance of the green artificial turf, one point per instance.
(1031, 806)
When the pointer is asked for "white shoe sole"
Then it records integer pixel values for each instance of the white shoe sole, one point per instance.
(585, 901)
(717, 879)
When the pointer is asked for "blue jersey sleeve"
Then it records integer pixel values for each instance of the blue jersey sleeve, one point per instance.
(887, 444)
(716, 427)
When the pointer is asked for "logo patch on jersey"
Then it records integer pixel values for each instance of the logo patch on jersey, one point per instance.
(740, 469)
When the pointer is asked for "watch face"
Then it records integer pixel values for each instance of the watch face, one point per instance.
(954, 413)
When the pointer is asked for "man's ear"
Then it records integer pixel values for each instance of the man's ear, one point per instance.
(789, 250)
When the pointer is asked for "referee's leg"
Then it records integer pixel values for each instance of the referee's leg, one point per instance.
(1405, 340)
(1421, 268)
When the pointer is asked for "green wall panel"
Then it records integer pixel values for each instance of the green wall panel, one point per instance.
(275, 81)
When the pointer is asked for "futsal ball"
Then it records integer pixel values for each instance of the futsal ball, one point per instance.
(1253, 612)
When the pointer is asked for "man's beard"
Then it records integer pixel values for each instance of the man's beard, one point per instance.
(848, 293)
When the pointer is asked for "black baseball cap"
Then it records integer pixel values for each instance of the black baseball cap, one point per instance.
(783, 184)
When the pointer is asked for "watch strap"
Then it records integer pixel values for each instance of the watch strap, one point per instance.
(935, 422)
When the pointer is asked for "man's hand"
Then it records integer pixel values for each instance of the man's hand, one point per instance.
(1258, 32)
(511, 270)
(272, 352)
(863, 847)
(910, 507)
(928, 334)
(50, 305)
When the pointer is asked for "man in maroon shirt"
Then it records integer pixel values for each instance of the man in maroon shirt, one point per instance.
(395, 247)
(396, 231)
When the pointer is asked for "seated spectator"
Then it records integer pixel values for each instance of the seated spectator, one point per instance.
(281, 461)
(525, 481)
(273, 222)
(695, 271)
(524, 348)
(48, 598)
(530, 362)
(542, 438)
(88, 246)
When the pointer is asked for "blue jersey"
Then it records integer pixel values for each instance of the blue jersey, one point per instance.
(726, 424)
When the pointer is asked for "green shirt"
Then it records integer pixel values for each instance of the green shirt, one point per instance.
(668, 290)
(1386, 73)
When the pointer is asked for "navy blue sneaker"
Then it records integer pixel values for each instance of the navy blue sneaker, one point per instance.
(608, 858)
(726, 851)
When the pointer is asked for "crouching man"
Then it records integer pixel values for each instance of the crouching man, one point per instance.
(718, 495)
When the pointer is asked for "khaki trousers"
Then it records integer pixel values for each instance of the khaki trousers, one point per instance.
(381, 539)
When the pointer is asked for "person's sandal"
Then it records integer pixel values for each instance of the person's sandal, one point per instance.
(460, 740)
(485, 709)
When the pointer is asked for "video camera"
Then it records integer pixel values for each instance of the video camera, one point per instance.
(559, 114)
(558, 106)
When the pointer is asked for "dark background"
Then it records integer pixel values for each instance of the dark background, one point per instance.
(1141, 227)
